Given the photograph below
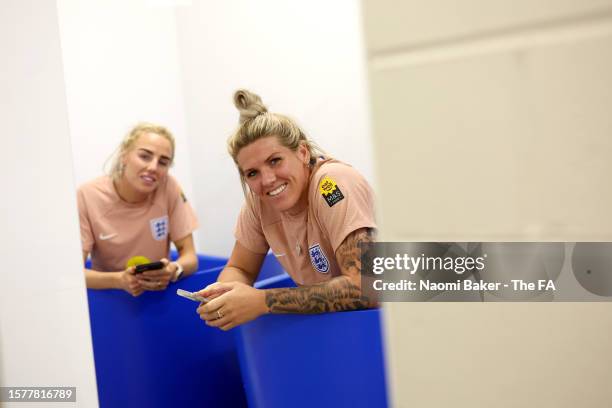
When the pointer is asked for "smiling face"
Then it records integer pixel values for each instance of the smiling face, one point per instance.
(275, 173)
(146, 164)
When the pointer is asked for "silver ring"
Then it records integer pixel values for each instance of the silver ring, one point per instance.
(219, 314)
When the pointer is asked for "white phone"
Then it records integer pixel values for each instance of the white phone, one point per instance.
(191, 296)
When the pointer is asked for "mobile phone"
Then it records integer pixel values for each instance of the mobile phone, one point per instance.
(149, 267)
(191, 296)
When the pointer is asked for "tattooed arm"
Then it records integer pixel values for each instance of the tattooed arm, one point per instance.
(234, 303)
(338, 294)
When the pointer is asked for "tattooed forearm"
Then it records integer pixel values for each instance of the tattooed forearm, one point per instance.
(336, 295)
(340, 293)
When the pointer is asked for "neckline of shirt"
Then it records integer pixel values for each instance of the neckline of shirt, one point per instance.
(117, 198)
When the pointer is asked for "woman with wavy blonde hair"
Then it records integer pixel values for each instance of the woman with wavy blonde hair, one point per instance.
(130, 216)
(310, 210)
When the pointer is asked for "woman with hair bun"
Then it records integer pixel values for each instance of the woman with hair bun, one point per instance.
(130, 216)
(310, 210)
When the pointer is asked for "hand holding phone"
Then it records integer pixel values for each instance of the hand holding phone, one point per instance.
(191, 296)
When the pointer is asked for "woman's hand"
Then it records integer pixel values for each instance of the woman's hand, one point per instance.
(232, 304)
(129, 282)
(157, 279)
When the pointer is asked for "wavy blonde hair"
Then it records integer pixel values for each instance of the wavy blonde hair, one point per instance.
(116, 168)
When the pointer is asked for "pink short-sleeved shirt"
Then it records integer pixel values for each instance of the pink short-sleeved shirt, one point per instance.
(340, 201)
(114, 231)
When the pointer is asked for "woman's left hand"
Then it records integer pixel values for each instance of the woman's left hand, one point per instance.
(233, 304)
(159, 278)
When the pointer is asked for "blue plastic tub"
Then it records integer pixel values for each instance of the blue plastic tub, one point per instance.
(326, 360)
(154, 351)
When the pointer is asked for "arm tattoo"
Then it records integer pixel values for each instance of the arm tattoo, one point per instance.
(338, 294)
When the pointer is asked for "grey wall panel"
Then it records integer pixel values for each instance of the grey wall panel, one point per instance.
(500, 355)
(392, 24)
(508, 145)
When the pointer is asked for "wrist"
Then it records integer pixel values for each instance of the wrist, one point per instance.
(178, 271)
(117, 280)
(264, 304)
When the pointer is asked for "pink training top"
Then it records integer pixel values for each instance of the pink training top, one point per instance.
(340, 201)
(114, 231)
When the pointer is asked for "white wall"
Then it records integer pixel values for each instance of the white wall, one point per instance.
(43, 307)
(305, 59)
(121, 67)
(127, 61)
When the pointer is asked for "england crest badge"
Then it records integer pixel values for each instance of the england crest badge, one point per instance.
(318, 259)
(159, 227)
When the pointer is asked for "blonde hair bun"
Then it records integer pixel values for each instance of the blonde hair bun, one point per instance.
(248, 104)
